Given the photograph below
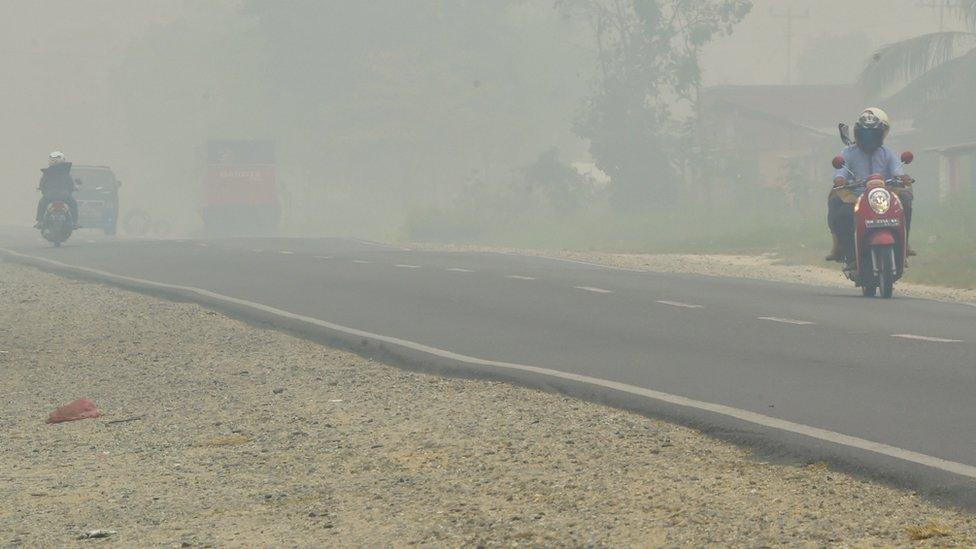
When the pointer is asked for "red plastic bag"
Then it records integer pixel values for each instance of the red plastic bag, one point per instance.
(83, 408)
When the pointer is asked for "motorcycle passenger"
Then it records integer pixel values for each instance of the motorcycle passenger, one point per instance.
(866, 157)
(56, 184)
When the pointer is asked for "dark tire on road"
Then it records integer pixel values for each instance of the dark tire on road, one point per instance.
(886, 274)
(869, 290)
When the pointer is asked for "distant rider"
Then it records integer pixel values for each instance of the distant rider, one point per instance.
(866, 157)
(56, 184)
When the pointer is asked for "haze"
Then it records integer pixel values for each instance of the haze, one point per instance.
(381, 118)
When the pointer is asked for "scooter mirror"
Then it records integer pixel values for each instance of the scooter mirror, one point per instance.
(838, 162)
(907, 157)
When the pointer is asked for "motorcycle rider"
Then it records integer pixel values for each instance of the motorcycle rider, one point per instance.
(866, 157)
(56, 184)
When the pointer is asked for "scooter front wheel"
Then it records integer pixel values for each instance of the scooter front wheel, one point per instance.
(886, 271)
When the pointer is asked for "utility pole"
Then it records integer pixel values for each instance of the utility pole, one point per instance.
(789, 15)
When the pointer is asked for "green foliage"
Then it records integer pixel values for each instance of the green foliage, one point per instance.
(560, 187)
(648, 52)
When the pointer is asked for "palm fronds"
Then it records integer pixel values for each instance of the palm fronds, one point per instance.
(936, 84)
(966, 9)
(902, 62)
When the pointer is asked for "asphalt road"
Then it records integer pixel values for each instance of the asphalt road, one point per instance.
(898, 372)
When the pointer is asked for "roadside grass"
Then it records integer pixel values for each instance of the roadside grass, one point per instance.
(943, 234)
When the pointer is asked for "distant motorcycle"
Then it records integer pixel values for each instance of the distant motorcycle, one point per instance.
(57, 225)
(879, 233)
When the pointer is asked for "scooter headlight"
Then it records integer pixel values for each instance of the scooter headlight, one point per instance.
(880, 200)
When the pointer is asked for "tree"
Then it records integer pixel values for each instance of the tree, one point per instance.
(562, 188)
(648, 53)
(932, 76)
(399, 102)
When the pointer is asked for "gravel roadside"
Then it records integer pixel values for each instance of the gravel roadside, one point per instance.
(761, 267)
(241, 436)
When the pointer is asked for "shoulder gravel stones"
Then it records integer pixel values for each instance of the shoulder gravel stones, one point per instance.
(761, 267)
(359, 453)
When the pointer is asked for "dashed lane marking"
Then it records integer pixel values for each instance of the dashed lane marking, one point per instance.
(818, 433)
(404, 266)
(927, 338)
(359, 261)
(679, 304)
(520, 277)
(786, 320)
(459, 270)
(594, 290)
(323, 257)
(286, 252)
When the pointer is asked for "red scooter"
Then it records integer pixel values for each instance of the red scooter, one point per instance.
(880, 233)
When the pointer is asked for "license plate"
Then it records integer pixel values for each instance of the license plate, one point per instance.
(89, 212)
(875, 223)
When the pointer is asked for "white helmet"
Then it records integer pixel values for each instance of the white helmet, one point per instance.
(874, 117)
(871, 128)
(56, 157)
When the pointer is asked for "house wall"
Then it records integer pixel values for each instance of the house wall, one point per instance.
(769, 146)
(957, 173)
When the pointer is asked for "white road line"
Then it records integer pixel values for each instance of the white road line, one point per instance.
(323, 257)
(459, 270)
(202, 244)
(359, 261)
(680, 304)
(927, 338)
(90, 241)
(404, 266)
(179, 241)
(594, 290)
(520, 277)
(786, 320)
(817, 433)
(286, 252)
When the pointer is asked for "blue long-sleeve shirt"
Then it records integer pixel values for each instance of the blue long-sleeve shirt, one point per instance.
(882, 161)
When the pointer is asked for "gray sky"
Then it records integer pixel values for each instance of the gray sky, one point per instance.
(756, 52)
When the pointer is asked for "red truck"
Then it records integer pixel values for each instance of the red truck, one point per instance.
(241, 188)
